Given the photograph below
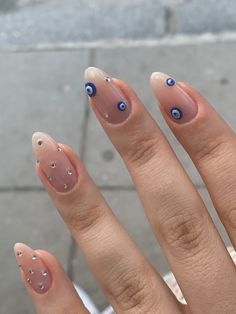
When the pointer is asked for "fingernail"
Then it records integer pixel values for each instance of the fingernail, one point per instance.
(179, 106)
(54, 163)
(106, 96)
(36, 274)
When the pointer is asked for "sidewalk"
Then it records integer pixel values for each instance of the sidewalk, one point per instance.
(33, 23)
(42, 88)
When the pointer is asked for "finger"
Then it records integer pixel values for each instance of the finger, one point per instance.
(175, 211)
(128, 280)
(209, 141)
(49, 287)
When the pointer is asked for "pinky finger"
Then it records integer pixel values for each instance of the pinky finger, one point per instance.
(50, 289)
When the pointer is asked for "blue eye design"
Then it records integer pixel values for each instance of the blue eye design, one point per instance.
(176, 113)
(121, 106)
(170, 81)
(90, 89)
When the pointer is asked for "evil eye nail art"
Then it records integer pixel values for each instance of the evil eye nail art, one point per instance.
(110, 102)
(173, 99)
(121, 106)
(90, 89)
(170, 82)
(176, 113)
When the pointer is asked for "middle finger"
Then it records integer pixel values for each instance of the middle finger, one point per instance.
(174, 208)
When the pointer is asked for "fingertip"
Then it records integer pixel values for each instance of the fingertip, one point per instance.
(19, 247)
(155, 75)
(92, 72)
(37, 139)
(16, 246)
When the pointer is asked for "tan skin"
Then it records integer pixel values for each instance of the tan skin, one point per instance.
(176, 213)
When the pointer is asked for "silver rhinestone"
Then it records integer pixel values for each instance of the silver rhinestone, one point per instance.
(44, 272)
(49, 178)
(59, 149)
(40, 142)
(107, 79)
(106, 115)
(29, 281)
(31, 272)
(34, 257)
(19, 254)
(53, 165)
(69, 172)
(41, 286)
(65, 186)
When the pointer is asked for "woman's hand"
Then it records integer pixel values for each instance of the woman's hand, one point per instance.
(176, 213)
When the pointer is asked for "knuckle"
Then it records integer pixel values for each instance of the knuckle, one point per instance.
(228, 216)
(132, 291)
(211, 150)
(84, 217)
(142, 149)
(183, 233)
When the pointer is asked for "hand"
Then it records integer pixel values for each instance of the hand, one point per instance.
(176, 212)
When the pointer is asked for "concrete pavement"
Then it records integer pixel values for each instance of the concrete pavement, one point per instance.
(52, 22)
(42, 89)
(45, 91)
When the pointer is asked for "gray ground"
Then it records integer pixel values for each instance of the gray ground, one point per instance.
(41, 88)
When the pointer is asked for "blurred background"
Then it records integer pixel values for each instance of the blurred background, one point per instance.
(45, 45)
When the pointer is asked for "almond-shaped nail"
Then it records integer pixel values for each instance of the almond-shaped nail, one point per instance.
(178, 105)
(54, 162)
(36, 274)
(105, 96)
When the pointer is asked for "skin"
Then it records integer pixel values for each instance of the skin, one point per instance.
(176, 213)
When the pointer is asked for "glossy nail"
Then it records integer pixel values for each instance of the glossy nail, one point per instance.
(179, 106)
(36, 274)
(54, 163)
(108, 99)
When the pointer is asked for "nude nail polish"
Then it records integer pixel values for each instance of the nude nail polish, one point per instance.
(36, 274)
(54, 163)
(178, 105)
(106, 97)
